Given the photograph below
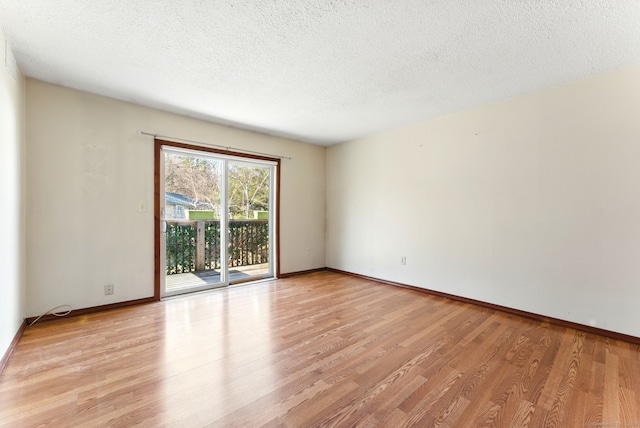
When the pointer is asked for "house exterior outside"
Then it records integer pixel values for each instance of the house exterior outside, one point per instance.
(177, 206)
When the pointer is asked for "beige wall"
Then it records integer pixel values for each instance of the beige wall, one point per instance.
(12, 199)
(531, 203)
(88, 168)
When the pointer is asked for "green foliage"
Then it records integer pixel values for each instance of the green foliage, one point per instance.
(248, 244)
(181, 248)
(212, 245)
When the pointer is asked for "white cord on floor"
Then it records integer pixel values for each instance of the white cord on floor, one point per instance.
(57, 314)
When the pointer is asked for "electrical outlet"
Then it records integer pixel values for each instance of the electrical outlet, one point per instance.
(308, 251)
(108, 289)
(142, 207)
(403, 260)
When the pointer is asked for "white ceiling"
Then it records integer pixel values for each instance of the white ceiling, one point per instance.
(321, 71)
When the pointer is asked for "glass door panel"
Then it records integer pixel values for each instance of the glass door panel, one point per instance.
(193, 224)
(250, 221)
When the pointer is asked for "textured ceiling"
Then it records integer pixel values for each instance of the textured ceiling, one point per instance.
(320, 71)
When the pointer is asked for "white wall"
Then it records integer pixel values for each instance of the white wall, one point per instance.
(531, 203)
(88, 168)
(12, 190)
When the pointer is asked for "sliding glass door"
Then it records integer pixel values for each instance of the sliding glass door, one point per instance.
(217, 222)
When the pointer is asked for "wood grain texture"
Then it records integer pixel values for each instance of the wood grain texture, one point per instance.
(317, 350)
(531, 315)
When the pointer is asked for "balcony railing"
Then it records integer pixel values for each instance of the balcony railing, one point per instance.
(194, 245)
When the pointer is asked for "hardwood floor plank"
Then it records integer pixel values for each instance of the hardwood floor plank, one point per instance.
(316, 350)
(611, 403)
(450, 417)
(567, 383)
(418, 406)
(522, 415)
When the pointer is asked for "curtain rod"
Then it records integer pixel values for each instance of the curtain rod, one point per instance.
(213, 145)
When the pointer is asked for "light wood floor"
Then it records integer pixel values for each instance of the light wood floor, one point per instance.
(321, 349)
